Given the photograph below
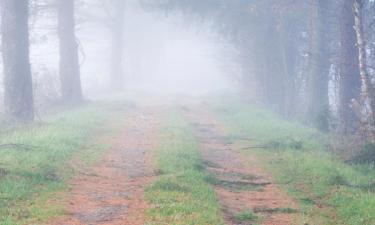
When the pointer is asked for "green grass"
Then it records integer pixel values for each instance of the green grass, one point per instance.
(246, 216)
(181, 194)
(33, 173)
(233, 186)
(330, 191)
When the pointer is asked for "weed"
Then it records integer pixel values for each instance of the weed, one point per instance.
(246, 216)
(170, 185)
(366, 155)
(238, 186)
(286, 210)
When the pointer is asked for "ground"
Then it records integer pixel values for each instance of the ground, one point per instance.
(177, 162)
(112, 191)
(241, 184)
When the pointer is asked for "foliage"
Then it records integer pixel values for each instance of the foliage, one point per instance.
(366, 155)
(246, 216)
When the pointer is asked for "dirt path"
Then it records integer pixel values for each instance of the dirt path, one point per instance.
(112, 191)
(240, 183)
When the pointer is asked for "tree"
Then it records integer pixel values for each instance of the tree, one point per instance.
(317, 113)
(367, 89)
(19, 105)
(70, 77)
(117, 31)
(350, 85)
(272, 73)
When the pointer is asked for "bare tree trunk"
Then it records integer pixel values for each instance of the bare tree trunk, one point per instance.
(367, 89)
(18, 99)
(272, 78)
(70, 76)
(117, 75)
(350, 84)
(317, 111)
(288, 57)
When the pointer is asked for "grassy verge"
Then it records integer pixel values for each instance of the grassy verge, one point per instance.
(35, 160)
(181, 195)
(330, 191)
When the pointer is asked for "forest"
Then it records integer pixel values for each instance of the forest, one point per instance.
(180, 112)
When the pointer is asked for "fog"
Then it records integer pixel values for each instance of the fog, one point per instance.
(289, 62)
(162, 53)
(166, 53)
(212, 112)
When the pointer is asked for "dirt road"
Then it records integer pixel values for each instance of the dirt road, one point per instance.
(111, 192)
(241, 185)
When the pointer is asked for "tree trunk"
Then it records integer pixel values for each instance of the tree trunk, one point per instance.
(317, 110)
(271, 76)
(288, 57)
(350, 85)
(117, 75)
(19, 106)
(70, 76)
(367, 89)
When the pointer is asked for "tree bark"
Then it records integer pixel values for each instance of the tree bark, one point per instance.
(367, 89)
(271, 76)
(70, 76)
(288, 57)
(317, 110)
(350, 84)
(18, 98)
(117, 75)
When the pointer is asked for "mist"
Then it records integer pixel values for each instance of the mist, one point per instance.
(206, 112)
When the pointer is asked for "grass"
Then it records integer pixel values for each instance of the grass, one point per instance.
(234, 186)
(246, 216)
(34, 173)
(285, 210)
(330, 191)
(181, 194)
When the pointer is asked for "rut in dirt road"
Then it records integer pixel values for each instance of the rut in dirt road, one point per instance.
(246, 193)
(112, 191)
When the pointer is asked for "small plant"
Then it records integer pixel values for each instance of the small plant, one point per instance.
(170, 185)
(366, 155)
(246, 216)
(296, 144)
(287, 210)
(3, 172)
(307, 201)
(211, 179)
(285, 144)
(337, 180)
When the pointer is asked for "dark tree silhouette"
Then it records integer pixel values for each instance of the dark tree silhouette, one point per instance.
(18, 97)
(317, 87)
(117, 31)
(69, 61)
(350, 85)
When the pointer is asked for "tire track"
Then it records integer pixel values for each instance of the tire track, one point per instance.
(112, 191)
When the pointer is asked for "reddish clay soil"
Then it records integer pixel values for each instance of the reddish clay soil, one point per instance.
(112, 191)
(240, 184)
